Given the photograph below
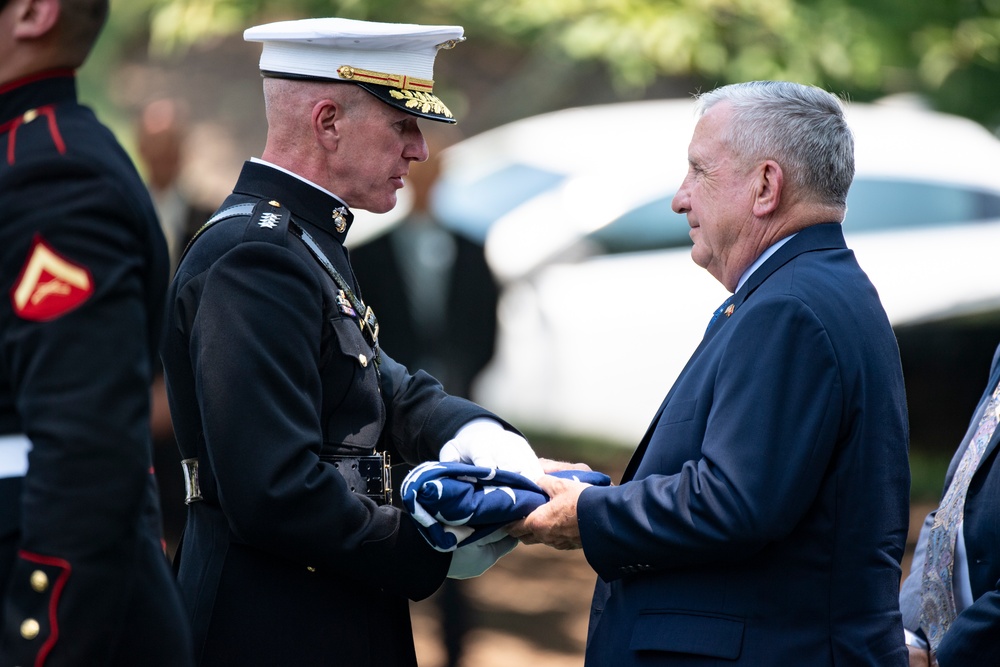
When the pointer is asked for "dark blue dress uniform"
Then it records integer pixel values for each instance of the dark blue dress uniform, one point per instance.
(267, 369)
(83, 269)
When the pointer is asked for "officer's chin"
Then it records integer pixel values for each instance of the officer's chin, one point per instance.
(381, 207)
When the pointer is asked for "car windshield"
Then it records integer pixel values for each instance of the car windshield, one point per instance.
(470, 207)
(878, 204)
(874, 204)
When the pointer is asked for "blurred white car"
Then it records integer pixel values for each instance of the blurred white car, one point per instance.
(602, 304)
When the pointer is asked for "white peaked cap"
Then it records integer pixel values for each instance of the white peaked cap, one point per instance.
(394, 61)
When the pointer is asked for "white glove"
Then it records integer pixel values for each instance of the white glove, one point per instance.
(484, 442)
(474, 559)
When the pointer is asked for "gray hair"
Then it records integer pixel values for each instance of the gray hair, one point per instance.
(801, 127)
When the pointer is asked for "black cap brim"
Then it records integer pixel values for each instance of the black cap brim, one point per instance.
(417, 103)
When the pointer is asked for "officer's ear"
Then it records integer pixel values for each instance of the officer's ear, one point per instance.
(34, 18)
(326, 119)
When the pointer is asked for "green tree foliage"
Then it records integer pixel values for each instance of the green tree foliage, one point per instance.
(947, 50)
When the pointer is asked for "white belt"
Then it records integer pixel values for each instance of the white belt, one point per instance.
(14, 455)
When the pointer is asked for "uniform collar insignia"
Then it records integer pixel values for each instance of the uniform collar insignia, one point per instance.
(340, 219)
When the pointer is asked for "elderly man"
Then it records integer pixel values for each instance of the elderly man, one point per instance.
(83, 269)
(762, 519)
(282, 399)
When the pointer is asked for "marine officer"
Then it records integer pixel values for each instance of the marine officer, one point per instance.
(282, 399)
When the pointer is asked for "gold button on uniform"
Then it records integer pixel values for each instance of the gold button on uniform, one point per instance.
(39, 581)
(30, 628)
(364, 360)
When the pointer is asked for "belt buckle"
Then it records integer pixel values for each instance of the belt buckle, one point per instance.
(365, 475)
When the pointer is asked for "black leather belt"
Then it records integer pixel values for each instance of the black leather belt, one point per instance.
(368, 475)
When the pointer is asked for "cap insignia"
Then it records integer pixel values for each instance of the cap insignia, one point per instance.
(426, 102)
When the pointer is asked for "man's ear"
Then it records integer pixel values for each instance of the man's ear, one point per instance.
(34, 18)
(327, 115)
(768, 183)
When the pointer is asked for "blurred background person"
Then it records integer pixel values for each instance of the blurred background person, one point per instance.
(83, 267)
(161, 133)
(435, 293)
(436, 300)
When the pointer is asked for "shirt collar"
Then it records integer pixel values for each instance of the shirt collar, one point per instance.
(760, 260)
(304, 180)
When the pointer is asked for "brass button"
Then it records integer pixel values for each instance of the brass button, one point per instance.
(29, 115)
(364, 360)
(30, 628)
(274, 203)
(310, 568)
(39, 581)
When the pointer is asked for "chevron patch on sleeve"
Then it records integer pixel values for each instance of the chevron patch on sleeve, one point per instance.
(49, 285)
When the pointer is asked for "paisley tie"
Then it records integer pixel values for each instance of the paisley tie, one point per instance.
(937, 597)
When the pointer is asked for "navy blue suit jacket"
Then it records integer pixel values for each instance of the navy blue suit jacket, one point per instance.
(972, 639)
(763, 518)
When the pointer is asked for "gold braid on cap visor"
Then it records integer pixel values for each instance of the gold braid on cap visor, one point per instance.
(417, 92)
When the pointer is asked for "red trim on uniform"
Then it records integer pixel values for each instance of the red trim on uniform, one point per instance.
(57, 588)
(14, 124)
(38, 76)
(50, 112)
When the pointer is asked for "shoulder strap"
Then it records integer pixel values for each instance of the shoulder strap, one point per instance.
(366, 316)
(267, 215)
(268, 222)
(224, 214)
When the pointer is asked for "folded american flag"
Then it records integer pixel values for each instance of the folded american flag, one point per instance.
(455, 504)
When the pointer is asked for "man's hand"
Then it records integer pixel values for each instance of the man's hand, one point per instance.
(550, 466)
(554, 523)
(484, 442)
(921, 657)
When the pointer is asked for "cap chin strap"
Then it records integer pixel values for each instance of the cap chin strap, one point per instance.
(400, 81)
